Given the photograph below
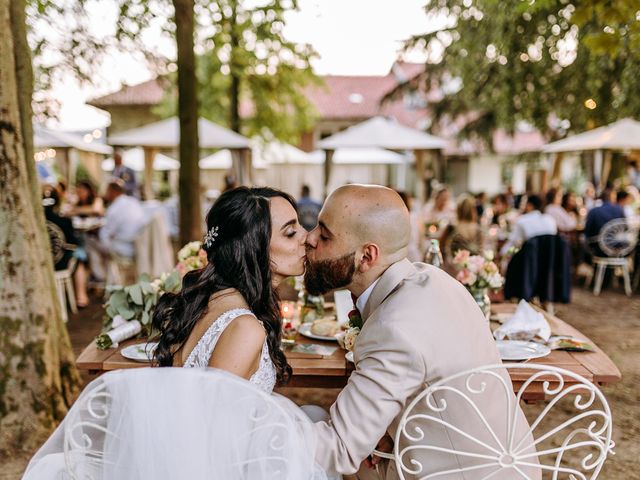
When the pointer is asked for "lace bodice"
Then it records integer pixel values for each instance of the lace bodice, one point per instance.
(264, 378)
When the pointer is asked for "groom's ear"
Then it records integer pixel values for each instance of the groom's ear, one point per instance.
(370, 254)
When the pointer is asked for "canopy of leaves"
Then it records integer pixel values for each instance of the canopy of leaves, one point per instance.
(246, 42)
(557, 64)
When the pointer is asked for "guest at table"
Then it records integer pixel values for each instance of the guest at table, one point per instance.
(598, 217)
(532, 224)
(88, 203)
(465, 233)
(589, 197)
(440, 209)
(308, 209)
(62, 236)
(123, 220)
(564, 220)
(499, 206)
(624, 201)
(124, 173)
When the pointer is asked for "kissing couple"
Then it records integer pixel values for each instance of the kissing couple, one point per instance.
(420, 325)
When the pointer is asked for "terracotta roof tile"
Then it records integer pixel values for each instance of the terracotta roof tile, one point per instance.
(145, 93)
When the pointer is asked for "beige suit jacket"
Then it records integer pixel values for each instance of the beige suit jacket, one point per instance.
(420, 325)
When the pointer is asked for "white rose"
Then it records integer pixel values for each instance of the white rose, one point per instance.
(349, 339)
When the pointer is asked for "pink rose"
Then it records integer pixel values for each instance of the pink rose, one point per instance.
(475, 263)
(462, 256)
(466, 277)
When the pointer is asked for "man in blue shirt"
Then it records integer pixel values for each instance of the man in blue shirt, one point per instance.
(308, 209)
(124, 173)
(598, 217)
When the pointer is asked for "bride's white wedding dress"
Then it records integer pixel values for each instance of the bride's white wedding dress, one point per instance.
(264, 378)
(182, 423)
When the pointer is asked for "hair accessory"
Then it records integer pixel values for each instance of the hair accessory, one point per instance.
(211, 235)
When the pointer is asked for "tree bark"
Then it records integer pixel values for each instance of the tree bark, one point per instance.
(38, 378)
(189, 184)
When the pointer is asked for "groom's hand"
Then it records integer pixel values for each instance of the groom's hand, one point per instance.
(384, 445)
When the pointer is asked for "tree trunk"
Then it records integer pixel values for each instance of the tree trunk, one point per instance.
(189, 184)
(38, 378)
(234, 88)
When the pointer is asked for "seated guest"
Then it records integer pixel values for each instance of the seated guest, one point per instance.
(440, 209)
(88, 203)
(624, 201)
(499, 206)
(598, 217)
(123, 220)
(308, 209)
(60, 229)
(531, 224)
(466, 233)
(564, 220)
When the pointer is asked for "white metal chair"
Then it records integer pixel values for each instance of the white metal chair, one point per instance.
(64, 288)
(173, 423)
(586, 433)
(616, 240)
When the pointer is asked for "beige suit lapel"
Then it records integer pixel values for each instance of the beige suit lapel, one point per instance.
(388, 282)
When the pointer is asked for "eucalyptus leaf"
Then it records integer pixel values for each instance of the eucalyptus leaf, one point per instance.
(127, 314)
(135, 291)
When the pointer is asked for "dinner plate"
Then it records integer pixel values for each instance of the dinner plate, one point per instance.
(140, 352)
(521, 350)
(305, 329)
(349, 357)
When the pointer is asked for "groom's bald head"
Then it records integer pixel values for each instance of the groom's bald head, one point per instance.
(371, 214)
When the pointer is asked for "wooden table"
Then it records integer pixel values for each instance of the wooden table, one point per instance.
(333, 371)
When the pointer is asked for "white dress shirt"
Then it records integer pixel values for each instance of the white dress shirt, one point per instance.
(361, 301)
(123, 220)
(564, 220)
(528, 226)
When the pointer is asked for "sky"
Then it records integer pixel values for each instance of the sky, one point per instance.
(352, 37)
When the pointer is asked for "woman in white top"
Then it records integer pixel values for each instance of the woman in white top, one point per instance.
(565, 221)
(226, 315)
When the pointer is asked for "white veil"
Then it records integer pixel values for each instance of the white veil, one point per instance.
(170, 423)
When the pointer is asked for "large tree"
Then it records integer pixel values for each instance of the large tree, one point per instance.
(38, 378)
(247, 63)
(558, 64)
(190, 217)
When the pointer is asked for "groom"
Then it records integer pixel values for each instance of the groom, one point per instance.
(420, 325)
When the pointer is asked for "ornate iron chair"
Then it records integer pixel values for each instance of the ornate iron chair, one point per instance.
(617, 240)
(507, 454)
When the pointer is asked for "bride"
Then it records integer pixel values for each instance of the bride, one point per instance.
(161, 422)
(226, 315)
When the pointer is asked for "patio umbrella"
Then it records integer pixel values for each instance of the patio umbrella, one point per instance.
(380, 132)
(166, 134)
(134, 159)
(362, 156)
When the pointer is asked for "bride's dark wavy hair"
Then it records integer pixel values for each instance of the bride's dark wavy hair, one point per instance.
(238, 258)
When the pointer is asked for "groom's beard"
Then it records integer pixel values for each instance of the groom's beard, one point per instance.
(325, 275)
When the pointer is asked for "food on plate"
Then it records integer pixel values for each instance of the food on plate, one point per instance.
(325, 327)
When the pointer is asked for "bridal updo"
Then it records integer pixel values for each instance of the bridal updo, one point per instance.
(238, 255)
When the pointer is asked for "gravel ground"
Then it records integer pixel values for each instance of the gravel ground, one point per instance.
(611, 320)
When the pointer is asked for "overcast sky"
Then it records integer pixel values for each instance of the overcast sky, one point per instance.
(352, 37)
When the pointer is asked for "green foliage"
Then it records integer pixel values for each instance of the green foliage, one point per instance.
(246, 42)
(137, 301)
(533, 61)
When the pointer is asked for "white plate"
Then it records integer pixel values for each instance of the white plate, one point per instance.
(141, 352)
(305, 329)
(349, 356)
(521, 350)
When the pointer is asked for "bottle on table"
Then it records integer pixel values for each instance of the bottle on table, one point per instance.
(433, 256)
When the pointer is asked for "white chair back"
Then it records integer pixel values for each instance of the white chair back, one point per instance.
(618, 238)
(168, 423)
(511, 452)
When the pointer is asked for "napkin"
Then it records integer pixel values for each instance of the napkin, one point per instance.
(525, 324)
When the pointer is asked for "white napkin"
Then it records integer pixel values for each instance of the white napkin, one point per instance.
(344, 305)
(525, 324)
(124, 332)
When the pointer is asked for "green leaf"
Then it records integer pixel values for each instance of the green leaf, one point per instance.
(136, 294)
(145, 318)
(126, 313)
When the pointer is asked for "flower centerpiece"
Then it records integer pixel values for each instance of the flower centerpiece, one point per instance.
(191, 257)
(478, 273)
